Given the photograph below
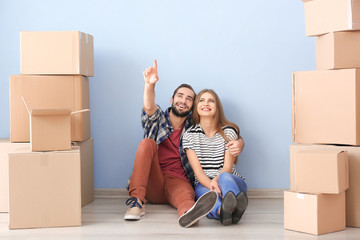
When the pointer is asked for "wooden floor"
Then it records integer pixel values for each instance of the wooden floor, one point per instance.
(103, 219)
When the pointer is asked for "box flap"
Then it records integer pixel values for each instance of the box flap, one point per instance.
(38, 112)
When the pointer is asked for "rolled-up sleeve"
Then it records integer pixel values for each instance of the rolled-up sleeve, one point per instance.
(150, 123)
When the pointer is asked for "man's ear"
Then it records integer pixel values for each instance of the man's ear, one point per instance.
(171, 100)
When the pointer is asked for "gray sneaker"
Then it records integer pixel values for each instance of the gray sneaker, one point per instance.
(202, 207)
(241, 205)
(227, 206)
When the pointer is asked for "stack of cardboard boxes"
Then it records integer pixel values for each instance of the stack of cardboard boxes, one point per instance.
(47, 181)
(324, 194)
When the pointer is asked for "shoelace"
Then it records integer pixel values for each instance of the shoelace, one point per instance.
(134, 202)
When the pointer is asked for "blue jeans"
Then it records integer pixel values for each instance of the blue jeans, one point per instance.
(227, 182)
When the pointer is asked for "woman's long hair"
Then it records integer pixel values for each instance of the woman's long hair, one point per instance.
(219, 118)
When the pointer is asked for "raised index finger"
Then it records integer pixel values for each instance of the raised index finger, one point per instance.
(155, 64)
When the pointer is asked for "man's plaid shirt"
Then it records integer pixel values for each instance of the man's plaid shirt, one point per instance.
(158, 127)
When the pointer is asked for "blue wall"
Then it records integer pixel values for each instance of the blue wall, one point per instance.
(244, 50)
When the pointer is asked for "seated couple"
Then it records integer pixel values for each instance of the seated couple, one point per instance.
(189, 146)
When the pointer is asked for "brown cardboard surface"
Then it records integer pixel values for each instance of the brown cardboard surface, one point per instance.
(56, 52)
(49, 92)
(45, 189)
(50, 129)
(5, 148)
(324, 16)
(337, 50)
(353, 192)
(325, 107)
(87, 170)
(315, 214)
(321, 171)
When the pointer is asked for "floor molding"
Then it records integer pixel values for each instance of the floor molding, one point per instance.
(252, 193)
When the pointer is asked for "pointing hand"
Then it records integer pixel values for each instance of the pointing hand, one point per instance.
(151, 75)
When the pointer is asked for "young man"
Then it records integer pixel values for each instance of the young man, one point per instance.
(162, 173)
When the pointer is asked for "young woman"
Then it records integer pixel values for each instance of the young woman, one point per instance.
(214, 167)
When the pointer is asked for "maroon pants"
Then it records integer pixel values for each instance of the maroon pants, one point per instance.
(148, 181)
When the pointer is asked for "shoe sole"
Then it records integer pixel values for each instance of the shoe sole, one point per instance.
(242, 203)
(133, 217)
(228, 204)
(203, 206)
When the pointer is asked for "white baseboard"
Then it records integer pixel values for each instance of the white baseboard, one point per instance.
(252, 193)
(265, 193)
(111, 193)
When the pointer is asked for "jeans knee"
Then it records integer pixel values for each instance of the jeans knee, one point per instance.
(225, 176)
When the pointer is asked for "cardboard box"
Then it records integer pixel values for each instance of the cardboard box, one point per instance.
(324, 16)
(5, 148)
(353, 192)
(49, 92)
(326, 107)
(45, 189)
(321, 171)
(87, 170)
(50, 129)
(338, 50)
(314, 213)
(65, 52)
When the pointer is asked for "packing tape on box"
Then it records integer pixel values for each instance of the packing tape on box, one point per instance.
(300, 196)
(80, 111)
(350, 22)
(78, 63)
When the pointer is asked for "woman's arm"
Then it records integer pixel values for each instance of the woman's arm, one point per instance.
(199, 172)
(228, 162)
(197, 168)
(228, 165)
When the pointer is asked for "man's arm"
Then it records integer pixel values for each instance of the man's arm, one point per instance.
(236, 146)
(150, 78)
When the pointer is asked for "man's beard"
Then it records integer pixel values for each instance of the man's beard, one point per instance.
(177, 113)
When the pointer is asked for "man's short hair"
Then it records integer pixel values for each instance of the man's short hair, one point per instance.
(184, 85)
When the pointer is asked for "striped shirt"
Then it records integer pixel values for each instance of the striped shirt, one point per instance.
(209, 150)
(158, 127)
